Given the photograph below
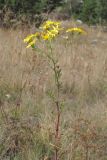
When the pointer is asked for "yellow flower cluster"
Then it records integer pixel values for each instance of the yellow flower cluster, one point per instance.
(48, 31)
(49, 25)
(76, 30)
(31, 39)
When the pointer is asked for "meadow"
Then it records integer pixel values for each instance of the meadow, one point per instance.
(27, 114)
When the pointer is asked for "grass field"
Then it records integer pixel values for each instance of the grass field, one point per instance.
(27, 117)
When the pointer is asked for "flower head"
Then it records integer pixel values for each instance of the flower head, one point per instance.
(32, 43)
(49, 35)
(31, 39)
(48, 25)
(50, 30)
(76, 30)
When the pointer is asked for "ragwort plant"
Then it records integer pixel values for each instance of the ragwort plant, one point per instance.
(47, 33)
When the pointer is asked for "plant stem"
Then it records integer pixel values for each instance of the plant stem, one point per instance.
(57, 130)
(57, 73)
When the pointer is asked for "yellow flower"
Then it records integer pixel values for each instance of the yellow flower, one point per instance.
(49, 35)
(50, 24)
(76, 30)
(32, 43)
(50, 30)
(46, 36)
(29, 38)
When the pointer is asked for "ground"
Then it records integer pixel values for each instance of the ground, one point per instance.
(27, 113)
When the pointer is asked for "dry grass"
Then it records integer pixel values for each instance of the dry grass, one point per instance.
(27, 118)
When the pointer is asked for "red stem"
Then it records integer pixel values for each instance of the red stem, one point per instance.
(57, 130)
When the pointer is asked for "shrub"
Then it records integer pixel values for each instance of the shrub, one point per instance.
(94, 11)
(29, 6)
(30, 9)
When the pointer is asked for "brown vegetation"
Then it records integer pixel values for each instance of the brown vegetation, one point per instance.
(26, 113)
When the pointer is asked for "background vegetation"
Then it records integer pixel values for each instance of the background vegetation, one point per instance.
(27, 117)
(94, 11)
(29, 11)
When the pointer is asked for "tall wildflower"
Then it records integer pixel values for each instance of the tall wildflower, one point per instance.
(48, 32)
